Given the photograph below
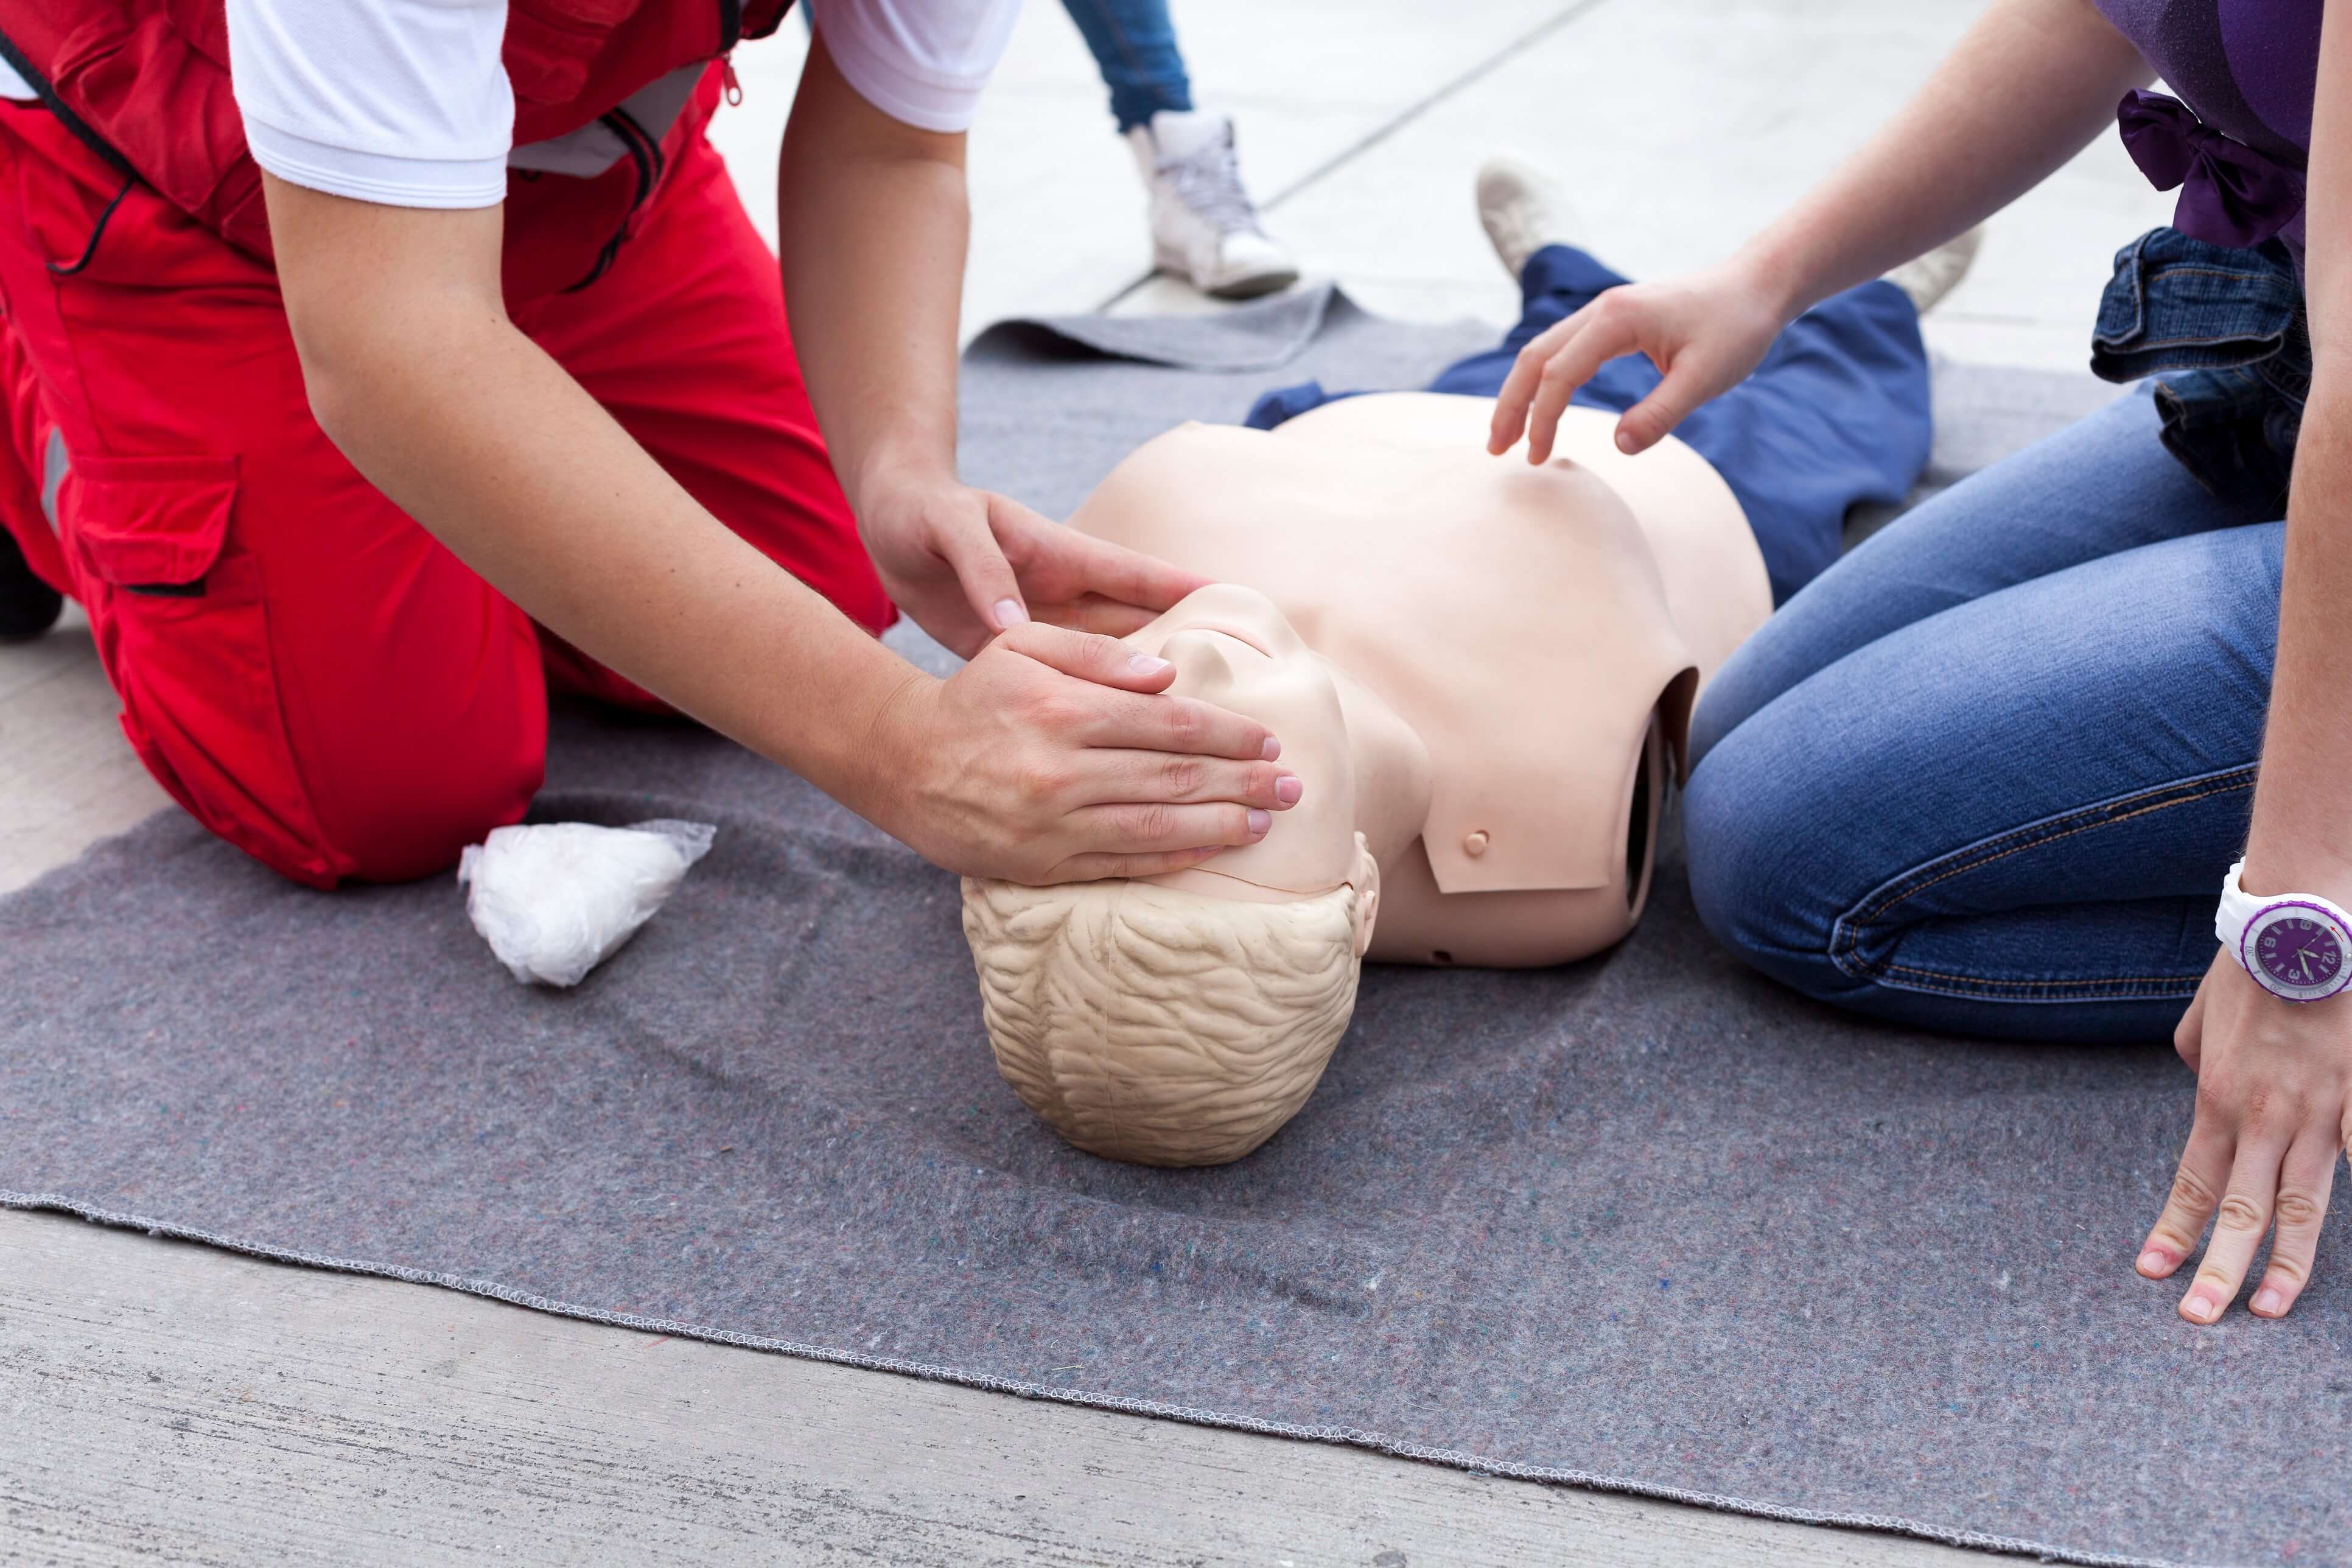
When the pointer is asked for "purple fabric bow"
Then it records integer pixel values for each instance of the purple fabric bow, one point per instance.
(2230, 194)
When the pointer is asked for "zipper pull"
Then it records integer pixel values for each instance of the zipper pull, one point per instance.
(730, 89)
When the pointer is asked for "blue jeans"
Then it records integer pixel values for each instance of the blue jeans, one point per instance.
(1134, 45)
(1837, 414)
(2222, 331)
(1986, 775)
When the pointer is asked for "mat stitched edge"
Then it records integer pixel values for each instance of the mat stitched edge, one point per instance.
(1344, 1436)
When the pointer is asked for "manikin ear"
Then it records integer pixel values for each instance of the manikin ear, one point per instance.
(1366, 879)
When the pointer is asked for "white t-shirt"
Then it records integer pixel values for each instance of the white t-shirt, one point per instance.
(405, 102)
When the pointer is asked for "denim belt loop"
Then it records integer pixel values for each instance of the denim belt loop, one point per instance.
(2222, 331)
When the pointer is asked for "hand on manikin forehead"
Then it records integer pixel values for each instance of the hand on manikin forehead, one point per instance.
(1233, 648)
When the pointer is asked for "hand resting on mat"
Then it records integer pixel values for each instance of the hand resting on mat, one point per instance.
(2273, 1106)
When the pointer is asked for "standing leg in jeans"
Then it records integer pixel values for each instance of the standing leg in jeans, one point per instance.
(1203, 225)
(1986, 774)
(1134, 45)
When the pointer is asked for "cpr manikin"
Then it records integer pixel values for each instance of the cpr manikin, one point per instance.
(1482, 671)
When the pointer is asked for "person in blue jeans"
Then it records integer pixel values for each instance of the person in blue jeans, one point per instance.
(1986, 775)
(1205, 228)
(2012, 766)
(1835, 417)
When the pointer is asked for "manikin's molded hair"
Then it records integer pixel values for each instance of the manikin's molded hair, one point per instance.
(1160, 1026)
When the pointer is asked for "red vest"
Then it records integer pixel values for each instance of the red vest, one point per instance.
(146, 84)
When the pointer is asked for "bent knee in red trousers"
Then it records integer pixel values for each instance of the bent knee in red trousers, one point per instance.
(305, 668)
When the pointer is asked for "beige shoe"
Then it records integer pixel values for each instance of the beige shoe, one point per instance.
(1927, 279)
(1522, 209)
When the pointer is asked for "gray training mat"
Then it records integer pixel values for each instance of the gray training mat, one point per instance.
(1645, 1221)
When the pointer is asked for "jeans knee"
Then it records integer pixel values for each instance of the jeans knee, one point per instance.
(1752, 835)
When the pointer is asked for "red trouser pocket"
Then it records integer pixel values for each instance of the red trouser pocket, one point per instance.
(182, 628)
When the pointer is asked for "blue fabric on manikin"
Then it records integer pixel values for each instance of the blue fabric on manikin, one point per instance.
(1836, 415)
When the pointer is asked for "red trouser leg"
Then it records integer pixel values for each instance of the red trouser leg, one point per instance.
(684, 341)
(299, 664)
(304, 668)
(26, 461)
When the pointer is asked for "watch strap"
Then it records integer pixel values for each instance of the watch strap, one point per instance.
(2238, 907)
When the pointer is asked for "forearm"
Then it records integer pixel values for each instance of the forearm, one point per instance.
(474, 431)
(2302, 831)
(2028, 87)
(872, 226)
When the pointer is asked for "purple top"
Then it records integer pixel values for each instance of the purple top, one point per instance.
(2247, 70)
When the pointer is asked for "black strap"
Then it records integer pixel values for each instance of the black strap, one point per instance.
(88, 138)
(646, 153)
(65, 117)
(89, 252)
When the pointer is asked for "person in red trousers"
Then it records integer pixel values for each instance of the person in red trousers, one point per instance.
(373, 366)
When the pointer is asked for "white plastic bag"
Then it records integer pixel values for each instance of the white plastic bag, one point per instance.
(554, 900)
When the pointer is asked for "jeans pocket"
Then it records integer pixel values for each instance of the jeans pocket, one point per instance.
(182, 625)
(2222, 330)
(2177, 303)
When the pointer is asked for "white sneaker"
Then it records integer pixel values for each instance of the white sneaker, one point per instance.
(1522, 210)
(1927, 279)
(1203, 225)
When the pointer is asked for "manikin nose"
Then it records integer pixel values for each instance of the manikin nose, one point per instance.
(1244, 614)
(1204, 668)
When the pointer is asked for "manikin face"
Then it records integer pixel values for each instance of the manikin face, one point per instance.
(1181, 1020)
(1232, 647)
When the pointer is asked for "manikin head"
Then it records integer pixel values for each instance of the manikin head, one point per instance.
(1180, 1020)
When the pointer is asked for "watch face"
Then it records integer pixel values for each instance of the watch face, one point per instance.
(2297, 950)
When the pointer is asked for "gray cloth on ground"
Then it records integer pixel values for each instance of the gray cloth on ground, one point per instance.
(1645, 1221)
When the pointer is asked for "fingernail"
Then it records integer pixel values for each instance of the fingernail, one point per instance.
(2204, 1308)
(1272, 749)
(1259, 821)
(1144, 664)
(1009, 614)
(2154, 1263)
(2268, 1301)
(1289, 788)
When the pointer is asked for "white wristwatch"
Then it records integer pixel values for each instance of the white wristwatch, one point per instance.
(2293, 945)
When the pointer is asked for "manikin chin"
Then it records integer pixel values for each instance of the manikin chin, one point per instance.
(1482, 671)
